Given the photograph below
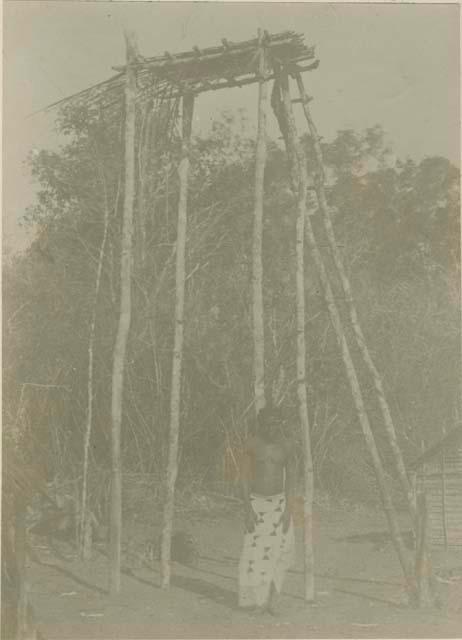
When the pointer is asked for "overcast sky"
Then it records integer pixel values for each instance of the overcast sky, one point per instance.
(395, 65)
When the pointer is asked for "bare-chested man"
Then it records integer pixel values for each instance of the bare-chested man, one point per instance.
(268, 481)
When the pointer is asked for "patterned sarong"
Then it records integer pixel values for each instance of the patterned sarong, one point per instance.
(268, 552)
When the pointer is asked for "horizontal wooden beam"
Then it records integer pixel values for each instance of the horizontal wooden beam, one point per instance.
(207, 85)
(172, 70)
(227, 51)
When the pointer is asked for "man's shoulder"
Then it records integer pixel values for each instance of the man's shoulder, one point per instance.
(251, 443)
(254, 444)
(290, 446)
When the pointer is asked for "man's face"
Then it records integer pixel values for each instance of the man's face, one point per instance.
(272, 427)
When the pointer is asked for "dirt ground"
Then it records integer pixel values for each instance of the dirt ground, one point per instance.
(358, 585)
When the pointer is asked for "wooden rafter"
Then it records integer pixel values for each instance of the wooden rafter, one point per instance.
(199, 70)
(286, 46)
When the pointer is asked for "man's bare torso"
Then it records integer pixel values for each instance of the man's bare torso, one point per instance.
(267, 461)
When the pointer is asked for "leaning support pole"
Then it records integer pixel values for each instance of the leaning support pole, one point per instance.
(257, 268)
(175, 398)
(358, 332)
(347, 359)
(348, 294)
(120, 347)
(301, 391)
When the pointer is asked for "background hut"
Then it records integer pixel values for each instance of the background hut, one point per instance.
(438, 474)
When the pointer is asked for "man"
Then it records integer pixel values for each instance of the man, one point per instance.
(268, 480)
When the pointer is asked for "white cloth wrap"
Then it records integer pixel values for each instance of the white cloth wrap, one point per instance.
(267, 553)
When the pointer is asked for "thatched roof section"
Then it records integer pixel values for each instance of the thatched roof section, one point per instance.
(228, 65)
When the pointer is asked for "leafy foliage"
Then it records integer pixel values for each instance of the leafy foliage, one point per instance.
(397, 224)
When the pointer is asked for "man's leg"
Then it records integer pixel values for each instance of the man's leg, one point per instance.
(262, 598)
(272, 600)
(246, 596)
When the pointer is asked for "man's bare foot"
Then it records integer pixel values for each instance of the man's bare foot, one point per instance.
(246, 608)
(259, 611)
(271, 605)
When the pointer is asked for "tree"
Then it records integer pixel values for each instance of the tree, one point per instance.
(393, 233)
(85, 525)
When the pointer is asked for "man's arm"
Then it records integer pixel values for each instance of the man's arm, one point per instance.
(290, 482)
(291, 471)
(246, 466)
(247, 469)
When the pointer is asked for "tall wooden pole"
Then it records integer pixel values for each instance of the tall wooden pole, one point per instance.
(124, 318)
(175, 398)
(348, 362)
(257, 270)
(299, 165)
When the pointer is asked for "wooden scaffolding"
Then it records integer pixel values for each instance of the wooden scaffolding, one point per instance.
(282, 58)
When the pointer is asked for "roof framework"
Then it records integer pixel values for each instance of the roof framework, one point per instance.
(199, 70)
